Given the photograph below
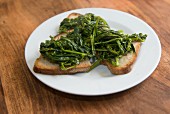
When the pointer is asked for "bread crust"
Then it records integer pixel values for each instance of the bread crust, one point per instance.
(42, 65)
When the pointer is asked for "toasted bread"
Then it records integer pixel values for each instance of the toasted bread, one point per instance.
(73, 15)
(42, 65)
(125, 63)
(57, 37)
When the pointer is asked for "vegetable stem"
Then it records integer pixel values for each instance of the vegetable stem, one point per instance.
(112, 40)
(75, 52)
(95, 64)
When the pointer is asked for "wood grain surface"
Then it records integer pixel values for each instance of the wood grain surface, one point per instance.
(22, 93)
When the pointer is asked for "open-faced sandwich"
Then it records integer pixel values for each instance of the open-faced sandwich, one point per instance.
(84, 42)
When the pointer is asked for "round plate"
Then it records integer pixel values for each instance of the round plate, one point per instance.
(99, 81)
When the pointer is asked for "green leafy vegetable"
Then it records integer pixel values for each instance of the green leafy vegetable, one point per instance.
(91, 39)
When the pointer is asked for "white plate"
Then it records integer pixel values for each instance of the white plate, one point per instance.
(99, 81)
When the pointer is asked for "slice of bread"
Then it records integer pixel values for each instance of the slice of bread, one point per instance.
(125, 62)
(73, 15)
(42, 65)
(57, 37)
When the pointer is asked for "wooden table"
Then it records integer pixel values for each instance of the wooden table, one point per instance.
(21, 92)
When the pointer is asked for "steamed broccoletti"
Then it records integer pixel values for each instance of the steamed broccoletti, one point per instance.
(91, 39)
